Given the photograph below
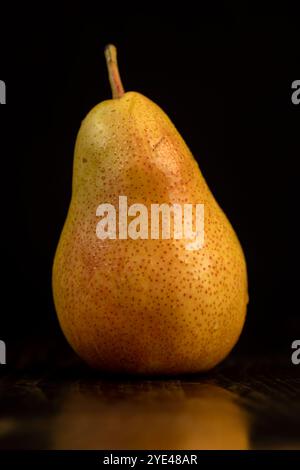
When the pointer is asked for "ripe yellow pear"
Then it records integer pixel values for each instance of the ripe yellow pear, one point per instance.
(144, 306)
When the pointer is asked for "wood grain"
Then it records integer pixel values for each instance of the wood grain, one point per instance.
(50, 400)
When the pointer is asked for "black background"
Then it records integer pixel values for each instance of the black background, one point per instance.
(224, 77)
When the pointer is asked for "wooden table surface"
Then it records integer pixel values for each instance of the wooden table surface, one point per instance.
(248, 402)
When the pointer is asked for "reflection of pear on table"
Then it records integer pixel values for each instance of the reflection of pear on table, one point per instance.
(151, 416)
(144, 306)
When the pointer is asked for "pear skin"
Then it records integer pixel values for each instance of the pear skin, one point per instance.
(144, 306)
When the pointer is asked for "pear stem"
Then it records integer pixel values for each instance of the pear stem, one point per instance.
(113, 71)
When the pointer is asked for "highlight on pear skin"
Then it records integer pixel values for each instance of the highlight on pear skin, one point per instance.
(171, 303)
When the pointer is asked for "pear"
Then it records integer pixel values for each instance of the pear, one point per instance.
(142, 305)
